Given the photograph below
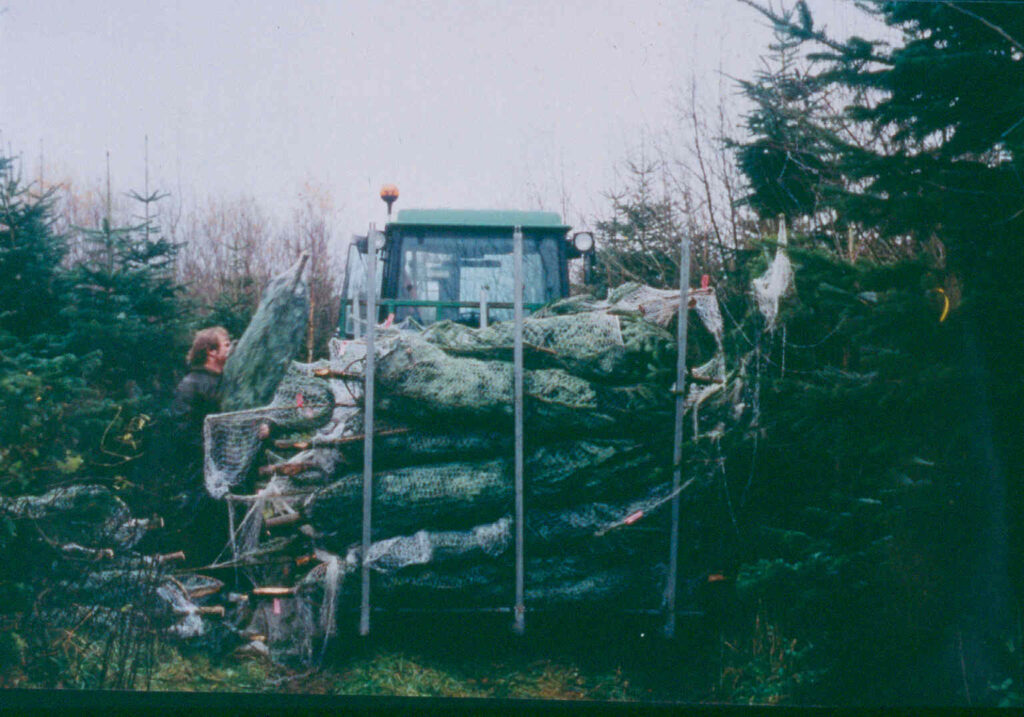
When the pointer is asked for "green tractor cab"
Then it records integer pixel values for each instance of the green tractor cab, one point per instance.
(456, 264)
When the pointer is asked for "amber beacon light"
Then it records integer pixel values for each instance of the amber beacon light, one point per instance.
(389, 193)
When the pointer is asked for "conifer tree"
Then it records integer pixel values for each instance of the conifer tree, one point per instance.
(787, 161)
(127, 304)
(639, 240)
(47, 409)
(30, 256)
(940, 170)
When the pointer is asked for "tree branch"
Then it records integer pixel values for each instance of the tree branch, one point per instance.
(983, 21)
(803, 33)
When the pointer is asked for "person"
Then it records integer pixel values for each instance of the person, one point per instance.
(197, 396)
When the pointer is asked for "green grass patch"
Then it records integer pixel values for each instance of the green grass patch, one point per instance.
(390, 673)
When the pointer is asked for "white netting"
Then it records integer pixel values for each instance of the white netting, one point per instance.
(190, 624)
(443, 461)
(231, 440)
(655, 305)
(287, 626)
(274, 500)
(424, 546)
(774, 284)
(705, 303)
(333, 575)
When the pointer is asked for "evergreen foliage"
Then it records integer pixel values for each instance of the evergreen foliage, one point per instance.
(272, 340)
(126, 304)
(876, 462)
(30, 256)
(928, 165)
(847, 507)
(50, 413)
(87, 351)
(790, 162)
(639, 240)
(48, 409)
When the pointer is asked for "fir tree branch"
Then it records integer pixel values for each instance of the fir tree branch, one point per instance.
(987, 23)
(806, 32)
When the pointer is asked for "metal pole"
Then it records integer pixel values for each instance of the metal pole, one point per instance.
(368, 377)
(483, 308)
(231, 529)
(677, 453)
(517, 357)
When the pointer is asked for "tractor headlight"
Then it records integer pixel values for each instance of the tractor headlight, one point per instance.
(583, 242)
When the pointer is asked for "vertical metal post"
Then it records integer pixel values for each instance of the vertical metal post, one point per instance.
(517, 379)
(368, 378)
(483, 308)
(677, 453)
(231, 530)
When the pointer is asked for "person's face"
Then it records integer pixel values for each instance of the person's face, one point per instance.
(220, 356)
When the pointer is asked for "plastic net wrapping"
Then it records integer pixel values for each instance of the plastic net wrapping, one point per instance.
(655, 306)
(705, 303)
(584, 552)
(88, 558)
(591, 344)
(276, 498)
(553, 581)
(421, 382)
(263, 354)
(772, 286)
(598, 426)
(231, 440)
(287, 626)
(464, 493)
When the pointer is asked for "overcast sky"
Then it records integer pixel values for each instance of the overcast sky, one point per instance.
(461, 104)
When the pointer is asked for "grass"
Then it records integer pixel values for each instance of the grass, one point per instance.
(387, 673)
(474, 660)
(197, 673)
(398, 674)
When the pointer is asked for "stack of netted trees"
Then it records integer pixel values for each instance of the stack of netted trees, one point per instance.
(598, 474)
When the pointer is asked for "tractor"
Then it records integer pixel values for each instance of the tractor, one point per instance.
(456, 264)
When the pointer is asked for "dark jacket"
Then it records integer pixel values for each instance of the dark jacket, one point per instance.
(197, 396)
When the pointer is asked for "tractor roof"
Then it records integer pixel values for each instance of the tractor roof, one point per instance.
(479, 218)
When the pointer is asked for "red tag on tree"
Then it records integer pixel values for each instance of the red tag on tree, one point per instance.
(633, 518)
(298, 400)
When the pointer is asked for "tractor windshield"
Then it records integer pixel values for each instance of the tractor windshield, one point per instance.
(447, 275)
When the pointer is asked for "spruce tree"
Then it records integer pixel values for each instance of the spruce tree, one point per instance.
(788, 163)
(941, 172)
(639, 240)
(48, 411)
(127, 304)
(30, 257)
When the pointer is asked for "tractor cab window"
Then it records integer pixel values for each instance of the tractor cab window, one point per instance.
(458, 268)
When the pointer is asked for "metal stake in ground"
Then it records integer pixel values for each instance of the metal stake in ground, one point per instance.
(677, 453)
(371, 330)
(517, 358)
